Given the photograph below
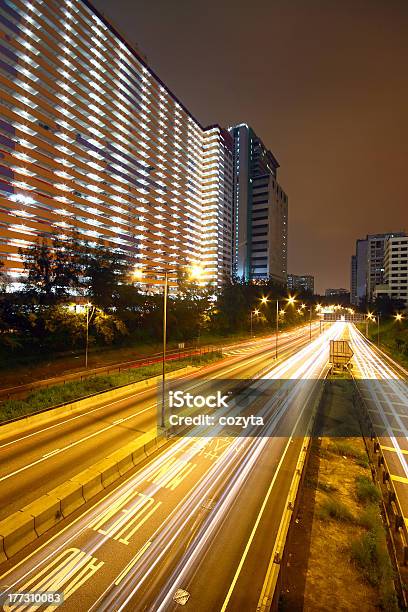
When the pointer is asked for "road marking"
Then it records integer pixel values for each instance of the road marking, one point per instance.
(141, 510)
(133, 562)
(68, 572)
(393, 449)
(172, 473)
(64, 448)
(402, 479)
(53, 452)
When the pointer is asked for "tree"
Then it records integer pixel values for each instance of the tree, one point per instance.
(53, 270)
(104, 271)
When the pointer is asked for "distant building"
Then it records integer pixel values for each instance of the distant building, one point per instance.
(303, 282)
(341, 293)
(260, 210)
(367, 266)
(395, 270)
(359, 266)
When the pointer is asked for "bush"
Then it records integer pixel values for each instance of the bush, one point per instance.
(333, 509)
(366, 490)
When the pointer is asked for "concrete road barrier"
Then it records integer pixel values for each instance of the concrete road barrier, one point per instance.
(17, 531)
(3, 556)
(46, 512)
(70, 495)
(109, 471)
(91, 482)
(24, 526)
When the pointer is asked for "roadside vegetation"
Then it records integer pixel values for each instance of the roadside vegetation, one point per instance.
(338, 557)
(75, 390)
(393, 337)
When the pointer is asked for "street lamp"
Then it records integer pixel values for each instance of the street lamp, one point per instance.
(398, 317)
(253, 312)
(195, 272)
(88, 307)
(290, 300)
(369, 317)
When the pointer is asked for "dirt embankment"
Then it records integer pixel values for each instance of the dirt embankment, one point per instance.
(337, 557)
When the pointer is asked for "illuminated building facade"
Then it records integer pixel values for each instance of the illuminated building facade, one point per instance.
(260, 210)
(92, 142)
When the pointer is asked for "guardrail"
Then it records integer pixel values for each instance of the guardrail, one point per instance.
(272, 585)
(396, 521)
(21, 391)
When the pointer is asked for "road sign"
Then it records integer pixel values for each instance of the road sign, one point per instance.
(181, 597)
(340, 352)
(181, 345)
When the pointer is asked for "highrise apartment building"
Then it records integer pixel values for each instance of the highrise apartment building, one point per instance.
(396, 268)
(260, 210)
(368, 266)
(93, 142)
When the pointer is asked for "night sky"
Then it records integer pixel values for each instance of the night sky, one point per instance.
(324, 83)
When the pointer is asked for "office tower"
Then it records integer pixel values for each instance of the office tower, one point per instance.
(93, 142)
(300, 283)
(260, 210)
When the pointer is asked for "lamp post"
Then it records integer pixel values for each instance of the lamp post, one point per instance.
(253, 312)
(369, 317)
(88, 306)
(265, 300)
(195, 272)
(378, 330)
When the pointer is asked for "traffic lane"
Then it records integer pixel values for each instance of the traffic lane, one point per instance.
(36, 469)
(230, 366)
(30, 475)
(244, 539)
(100, 542)
(212, 578)
(52, 439)
(163, 467)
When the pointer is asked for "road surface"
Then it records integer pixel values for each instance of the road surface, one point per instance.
(202, 515)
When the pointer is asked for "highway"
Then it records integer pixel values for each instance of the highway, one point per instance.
(384, 386)
(201, 515)
(40, 459)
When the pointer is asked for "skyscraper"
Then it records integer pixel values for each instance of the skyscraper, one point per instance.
(260, 210)
(93, 142)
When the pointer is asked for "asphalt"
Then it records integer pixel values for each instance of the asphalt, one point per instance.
(47, 455)
(201, 515)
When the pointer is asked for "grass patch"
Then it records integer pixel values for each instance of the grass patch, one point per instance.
(334, 509)
(370, 518)
(370, 554)
(326, 487)
(366, 490)
(77, 389)
(345, 449)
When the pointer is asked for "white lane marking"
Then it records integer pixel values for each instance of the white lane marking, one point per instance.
(53, 452)
(64, 448)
